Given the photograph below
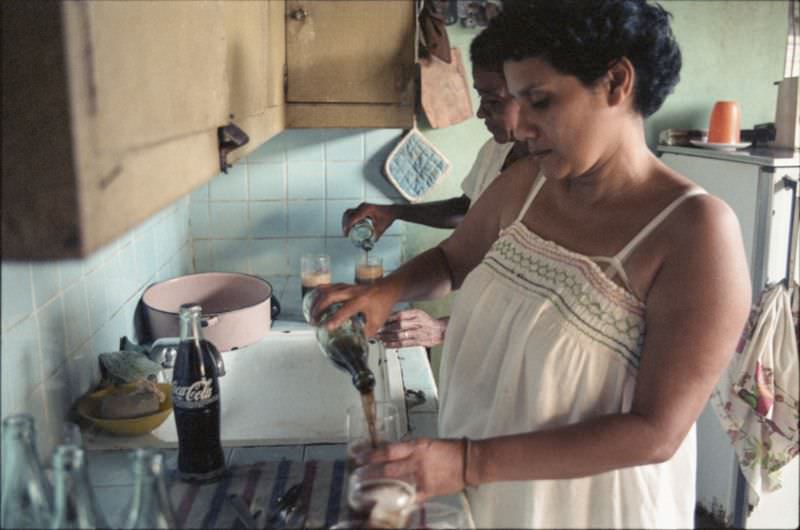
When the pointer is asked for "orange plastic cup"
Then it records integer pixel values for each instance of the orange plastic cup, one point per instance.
(724, 126)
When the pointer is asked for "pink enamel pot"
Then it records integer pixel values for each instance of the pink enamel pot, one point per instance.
(237, 308)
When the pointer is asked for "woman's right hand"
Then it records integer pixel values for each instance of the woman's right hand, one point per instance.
(382, 215)
(374, 301)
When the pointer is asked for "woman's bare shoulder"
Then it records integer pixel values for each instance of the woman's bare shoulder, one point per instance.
(508, 191)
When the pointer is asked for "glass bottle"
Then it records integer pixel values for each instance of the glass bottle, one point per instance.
(362, 234)
(346, 346)
(150, 505)
(196, 401)
(75, 505)
(26, 499)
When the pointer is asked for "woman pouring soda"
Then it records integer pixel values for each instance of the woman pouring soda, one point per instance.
(600, 293)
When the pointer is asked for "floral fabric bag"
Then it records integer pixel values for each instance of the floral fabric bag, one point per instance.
(756, 399)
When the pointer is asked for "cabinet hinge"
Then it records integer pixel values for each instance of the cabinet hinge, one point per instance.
(285, 80)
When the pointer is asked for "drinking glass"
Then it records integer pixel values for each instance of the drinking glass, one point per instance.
(388, 428)
(438, 515)
(315, 269)
(369, 269)
(381, 501)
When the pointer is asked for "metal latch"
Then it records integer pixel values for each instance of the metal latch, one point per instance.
(230, 137)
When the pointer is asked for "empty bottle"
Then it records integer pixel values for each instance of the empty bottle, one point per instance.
(196, 401)
(150, 505)
(346, 346)
(26, 499)
(75, 504)
(362, 234)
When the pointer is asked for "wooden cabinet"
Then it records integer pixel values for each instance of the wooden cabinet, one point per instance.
(255, 46)
(110, 113)
(350, 63)
(111, 110)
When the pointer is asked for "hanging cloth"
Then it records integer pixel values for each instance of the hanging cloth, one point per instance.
(433, 39)
(756, 399)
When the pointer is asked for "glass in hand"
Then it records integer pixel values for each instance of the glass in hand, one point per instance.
(378, 500)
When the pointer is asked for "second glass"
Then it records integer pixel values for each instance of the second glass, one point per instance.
(388, 428)
(369, 269)
(315, 270)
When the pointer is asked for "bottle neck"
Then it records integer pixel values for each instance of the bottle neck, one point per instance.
(191, 324)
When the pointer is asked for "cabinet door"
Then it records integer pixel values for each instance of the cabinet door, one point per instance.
(155, 70)
(345, 51)
(255, 58)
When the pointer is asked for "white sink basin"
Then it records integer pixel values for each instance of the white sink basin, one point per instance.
(282, 390)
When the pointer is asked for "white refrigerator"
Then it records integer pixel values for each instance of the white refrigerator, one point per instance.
(761, 185)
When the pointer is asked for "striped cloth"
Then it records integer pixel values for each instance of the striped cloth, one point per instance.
(260, 486)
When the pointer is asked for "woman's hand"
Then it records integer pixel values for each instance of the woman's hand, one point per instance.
(412, 327)
(373, 301)
(382, 215)
(435, 464)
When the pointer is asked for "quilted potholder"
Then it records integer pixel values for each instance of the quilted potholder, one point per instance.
(415, 166)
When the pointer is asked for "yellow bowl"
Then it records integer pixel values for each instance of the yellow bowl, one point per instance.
(89, 408)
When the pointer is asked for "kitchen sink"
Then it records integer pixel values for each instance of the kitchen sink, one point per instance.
(283, 391)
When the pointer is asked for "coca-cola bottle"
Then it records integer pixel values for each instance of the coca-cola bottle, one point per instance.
(196, 401)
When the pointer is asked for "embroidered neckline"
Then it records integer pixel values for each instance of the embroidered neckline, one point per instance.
(593, 266)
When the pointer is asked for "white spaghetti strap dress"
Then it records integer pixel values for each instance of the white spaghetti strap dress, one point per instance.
(541, 336)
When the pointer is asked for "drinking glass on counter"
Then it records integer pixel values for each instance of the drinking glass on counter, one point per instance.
(368, 269)
(361, 438)
(315, 269)
(380, 501)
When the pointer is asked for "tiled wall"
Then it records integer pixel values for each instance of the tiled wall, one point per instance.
(286, 199)
(58, 316)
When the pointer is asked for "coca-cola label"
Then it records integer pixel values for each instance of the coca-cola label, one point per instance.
(197, 395)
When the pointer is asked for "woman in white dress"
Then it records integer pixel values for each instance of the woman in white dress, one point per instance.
(600, 293)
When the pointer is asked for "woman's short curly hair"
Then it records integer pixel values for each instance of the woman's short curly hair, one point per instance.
(584, 37)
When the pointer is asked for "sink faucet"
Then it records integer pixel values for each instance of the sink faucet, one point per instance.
(165, 350)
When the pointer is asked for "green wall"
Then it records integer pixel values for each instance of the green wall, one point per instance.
(731, 50)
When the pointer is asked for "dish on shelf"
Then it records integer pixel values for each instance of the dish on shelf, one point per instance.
(720, 147)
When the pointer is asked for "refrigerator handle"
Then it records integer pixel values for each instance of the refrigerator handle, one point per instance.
(793, 232)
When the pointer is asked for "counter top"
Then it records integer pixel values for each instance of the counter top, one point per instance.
(760, 156)
(275, 468)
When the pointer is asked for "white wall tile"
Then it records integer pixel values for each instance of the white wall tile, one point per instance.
(46, 281)
(52, 337)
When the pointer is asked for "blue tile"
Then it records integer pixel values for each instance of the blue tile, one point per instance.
(267, 219)
(291, 308)
(99, 257)
(83, 371)
(53, 337)
(17, 295)
(297, 247)
(269, 257)
(199, 220)
(378, 143)
(306, 218)
(146, 260)
(200, 194)
(76, 314)
(70, 272)
(127, 268)
(45, 281)
(231, 255)
(229, 219)
(345, 180)
(115, 293)
(344, 144)
(278, 283)
(231, 186)
(305, 180)
(21, 364)
(267, 181)
(96, 299)
(390, 248)
(273, 150)
(304, 145)
(344, 256)
(107, 339)
(333, 216)
(202, 255)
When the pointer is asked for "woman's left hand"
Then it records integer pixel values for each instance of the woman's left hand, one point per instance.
(435, 464)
